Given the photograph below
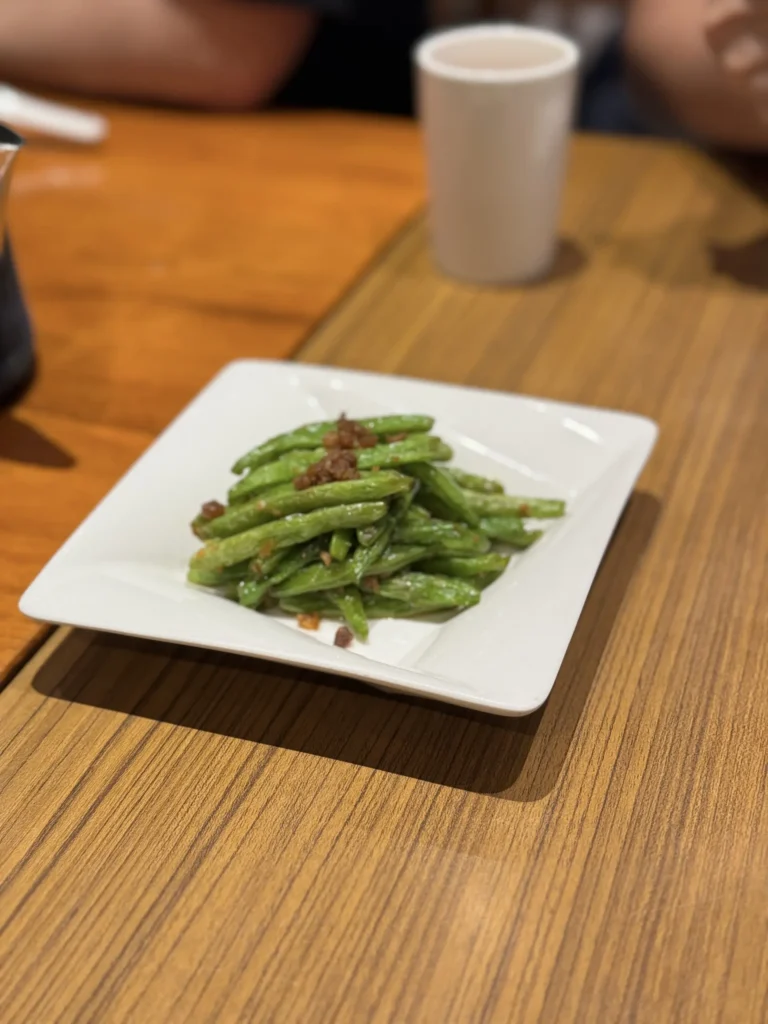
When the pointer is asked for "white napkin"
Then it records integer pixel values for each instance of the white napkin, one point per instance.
(28, 114)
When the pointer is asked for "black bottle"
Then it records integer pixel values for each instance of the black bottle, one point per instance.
(17, 360)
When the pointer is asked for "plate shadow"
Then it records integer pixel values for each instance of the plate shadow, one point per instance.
(257, 702)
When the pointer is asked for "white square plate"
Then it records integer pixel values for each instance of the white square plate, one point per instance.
(123, 570)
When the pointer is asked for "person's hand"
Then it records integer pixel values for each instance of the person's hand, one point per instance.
(737, 33)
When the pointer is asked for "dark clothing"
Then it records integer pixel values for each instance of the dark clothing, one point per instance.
(381, 14)
(361, 60)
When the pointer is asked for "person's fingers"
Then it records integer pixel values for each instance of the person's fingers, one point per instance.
(745, 57)
(757, 86)
(726, 20)
(737, 33)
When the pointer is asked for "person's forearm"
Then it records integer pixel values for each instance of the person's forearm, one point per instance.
(674, 68)
(216, 53)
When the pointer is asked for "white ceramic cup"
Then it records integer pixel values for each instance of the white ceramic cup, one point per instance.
(496, 103)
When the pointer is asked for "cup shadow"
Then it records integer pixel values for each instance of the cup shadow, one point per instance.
(570, 261)
(516, 758)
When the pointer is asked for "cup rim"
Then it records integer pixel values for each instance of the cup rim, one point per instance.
(425, 58)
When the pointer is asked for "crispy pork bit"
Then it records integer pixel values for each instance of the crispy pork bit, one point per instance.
(339, 464)
(212, 510)
(344, 637)
(349, 434)
(309, 621)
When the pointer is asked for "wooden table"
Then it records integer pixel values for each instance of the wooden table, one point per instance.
(186, 836)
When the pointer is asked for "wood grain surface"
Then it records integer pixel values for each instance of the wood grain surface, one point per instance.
(186, 241)
(186, 836)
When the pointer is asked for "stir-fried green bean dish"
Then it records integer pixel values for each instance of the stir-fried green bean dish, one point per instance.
(355, 520)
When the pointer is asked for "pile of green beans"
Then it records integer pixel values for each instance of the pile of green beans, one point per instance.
(408, 536)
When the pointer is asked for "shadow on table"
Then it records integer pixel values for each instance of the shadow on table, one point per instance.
(518, 758)
(570, 260)
(709, 248)
(744, 262)
(20, 442)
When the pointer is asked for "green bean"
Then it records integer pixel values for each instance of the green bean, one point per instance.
(311, 436)
(471, 482)
(461, 546)
(422, 589)
(261, 567)
(308, 437)
(464, 546)
(396, 558)
(386, 426)
(407, 537)
(484, 581)
(281, 471)
(510, 530)
(285, 500)
(366, 535)
(202, 525)
(507, 505)
(218, 577)
(283, 533)
(316, 578)
(341, 542)
(364, 558)
(384, 608)
(434, 507)
(199, 523)
(418, 448)
(251, 592)
(350, 604)
(403, 503)
(375, 607)
(438, 482)
(308, 604)
(465, 567)
(417, 513)
(445, 538)
(278, 491)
